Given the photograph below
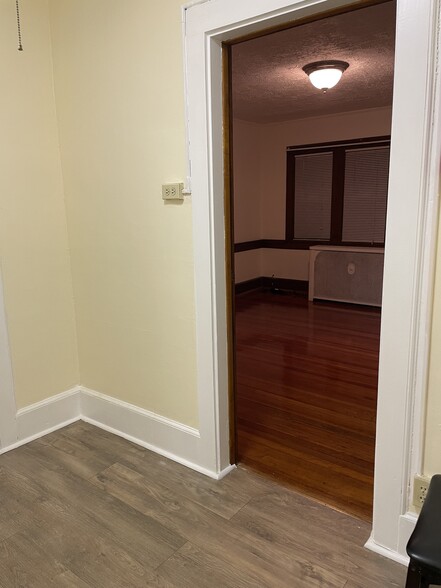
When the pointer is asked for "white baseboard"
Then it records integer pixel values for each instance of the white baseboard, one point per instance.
(38, 435)
(169, 438)
(406, 527)
(385, 552)
(159, 434)
(44, 417)
(225, 472)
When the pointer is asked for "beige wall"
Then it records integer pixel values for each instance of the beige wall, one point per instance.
(119, 91)
(260, 153)
(33, 236)
(120, 109)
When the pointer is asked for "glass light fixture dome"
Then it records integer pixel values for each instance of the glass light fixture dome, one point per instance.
(325, 74)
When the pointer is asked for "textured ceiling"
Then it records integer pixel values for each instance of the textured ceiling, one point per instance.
(269, 84)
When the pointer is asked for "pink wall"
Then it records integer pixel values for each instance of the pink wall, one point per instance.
(260, 181)
(248, 265)
(247, 181)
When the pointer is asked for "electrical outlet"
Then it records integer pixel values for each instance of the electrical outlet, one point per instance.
(172, 191)
(420, 486)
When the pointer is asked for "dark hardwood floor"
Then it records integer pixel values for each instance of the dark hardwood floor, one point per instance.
(82, 508)
(306, 395)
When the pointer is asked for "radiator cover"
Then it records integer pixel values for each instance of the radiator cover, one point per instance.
(346, 274)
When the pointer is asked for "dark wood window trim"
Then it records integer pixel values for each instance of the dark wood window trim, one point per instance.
(338, 149)
(286, 244)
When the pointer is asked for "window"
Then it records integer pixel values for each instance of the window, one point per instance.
(337, 193)
(313, 196)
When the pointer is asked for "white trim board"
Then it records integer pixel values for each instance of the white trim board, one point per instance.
(410, 240)
(407, 525)
(8, 432)
(372, 546)
(164, 436)
(48, 415)
(42, 418)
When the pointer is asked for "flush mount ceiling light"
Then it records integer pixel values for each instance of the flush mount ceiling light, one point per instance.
(325, 74)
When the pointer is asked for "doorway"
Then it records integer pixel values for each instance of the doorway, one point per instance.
(309, 201)
(406, 310)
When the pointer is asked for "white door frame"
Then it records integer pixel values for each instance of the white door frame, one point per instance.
(8, 411)
(409, 249)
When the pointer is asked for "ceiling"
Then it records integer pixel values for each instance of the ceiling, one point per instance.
(269, 84)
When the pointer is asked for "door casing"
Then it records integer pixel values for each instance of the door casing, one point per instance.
(8, 411)
(409, 250)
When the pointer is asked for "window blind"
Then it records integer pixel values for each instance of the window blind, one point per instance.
(365, 195)
(313, 196)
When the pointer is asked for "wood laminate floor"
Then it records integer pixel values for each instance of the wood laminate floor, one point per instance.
(82, 508)
(306, 395)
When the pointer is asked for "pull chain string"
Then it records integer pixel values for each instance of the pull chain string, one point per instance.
(20, 46)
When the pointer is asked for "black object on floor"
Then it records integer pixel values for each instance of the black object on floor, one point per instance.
(424, 546)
